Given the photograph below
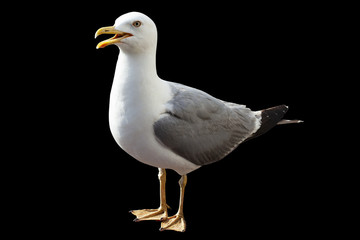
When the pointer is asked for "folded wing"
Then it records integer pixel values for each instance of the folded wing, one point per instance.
(201, 128)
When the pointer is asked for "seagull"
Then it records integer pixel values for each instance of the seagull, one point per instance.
(168, 125)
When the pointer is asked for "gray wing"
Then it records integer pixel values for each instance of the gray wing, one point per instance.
(201, 128)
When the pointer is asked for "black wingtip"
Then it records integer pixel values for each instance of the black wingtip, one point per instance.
(286, 121)
(269, 119)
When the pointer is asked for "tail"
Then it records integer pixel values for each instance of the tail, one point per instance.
(271, 117)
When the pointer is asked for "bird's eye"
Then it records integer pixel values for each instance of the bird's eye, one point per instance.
(136, 24)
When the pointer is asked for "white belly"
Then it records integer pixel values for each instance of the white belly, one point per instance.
(131, 119)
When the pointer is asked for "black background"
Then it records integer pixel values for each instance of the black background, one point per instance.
(83, 184)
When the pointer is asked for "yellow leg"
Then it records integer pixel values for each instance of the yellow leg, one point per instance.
(177, 222)
(159, 214)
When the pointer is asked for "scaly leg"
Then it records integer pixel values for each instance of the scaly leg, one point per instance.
(177, 222)
(159, 214)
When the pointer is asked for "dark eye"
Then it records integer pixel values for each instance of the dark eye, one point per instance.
(136, 24)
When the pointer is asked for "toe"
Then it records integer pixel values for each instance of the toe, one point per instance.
(149, 214)
(175, 223)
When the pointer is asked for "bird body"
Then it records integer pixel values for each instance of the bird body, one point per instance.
(169, 125)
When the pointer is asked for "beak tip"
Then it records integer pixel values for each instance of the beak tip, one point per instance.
(100, 45)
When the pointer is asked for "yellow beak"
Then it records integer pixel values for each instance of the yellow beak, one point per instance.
(119, 35)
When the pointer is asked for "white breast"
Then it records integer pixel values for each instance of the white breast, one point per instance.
(136, 102)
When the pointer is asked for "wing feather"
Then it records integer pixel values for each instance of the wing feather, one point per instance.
(201, 128)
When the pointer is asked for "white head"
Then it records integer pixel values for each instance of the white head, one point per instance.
(134, 33)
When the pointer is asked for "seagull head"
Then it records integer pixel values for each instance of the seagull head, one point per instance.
(133, 32)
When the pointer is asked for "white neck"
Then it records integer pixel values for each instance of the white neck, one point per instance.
(138, 67)
(136, 84)
(134, 74)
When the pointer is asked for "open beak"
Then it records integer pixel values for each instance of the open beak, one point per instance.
(119, 35)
